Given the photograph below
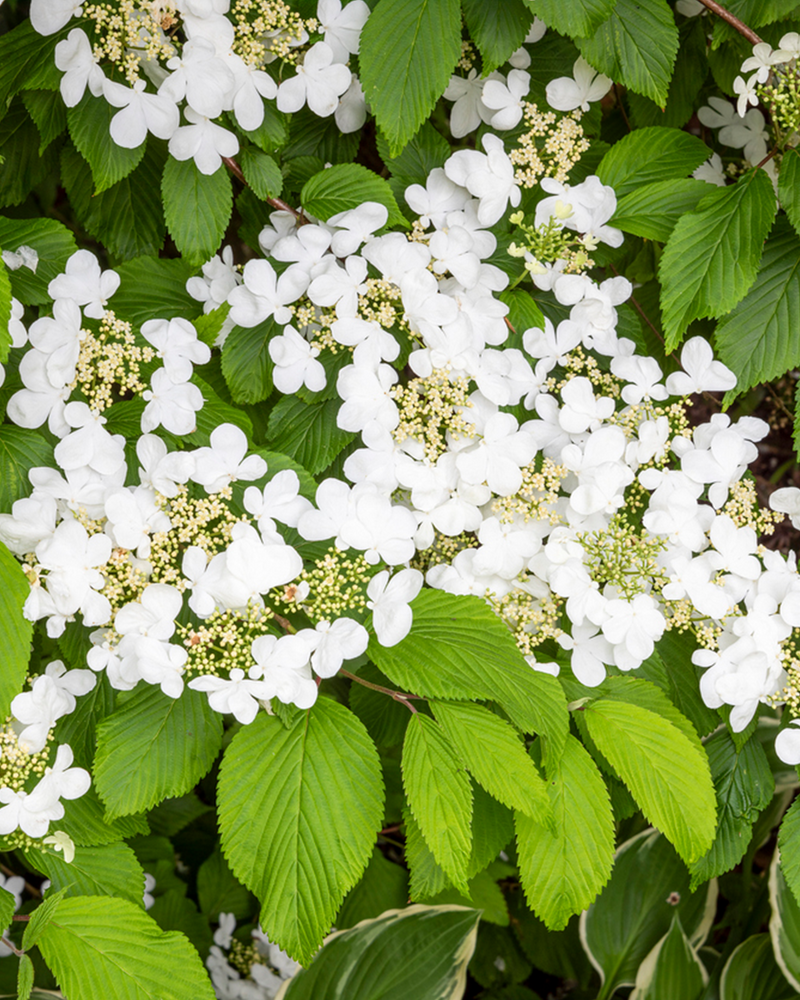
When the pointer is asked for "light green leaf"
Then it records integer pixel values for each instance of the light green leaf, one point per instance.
(789, 187)
(652, 210)
(458, 648)
(346, 186)
(439, 794)
(197, 208)
(760, 338)
(40, 918)
(650, 156)
(246, 363)
(672, 969)
(261, 172)
(308, 431)
(523, 313)
(154, 286)
(8, 905)
(383, 886)
(408, 50)
(667, 775)
(20, 450)
(110, 870)
(498, 28)
(428, 878)
(54, 244)
(154, 747)
(636, 46)
(784, 924)
(5, 316)
(25, 976)
(711, 258)
(372, 959)
(47, 109)
(572, 17)
(495, 756)
(89, 123)
(96, 945)
(15, 631)
(298, 813)
(648, 695)
(85, 823)
(562, 871)
(751, 973)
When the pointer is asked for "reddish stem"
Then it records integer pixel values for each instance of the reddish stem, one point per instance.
(733, 21)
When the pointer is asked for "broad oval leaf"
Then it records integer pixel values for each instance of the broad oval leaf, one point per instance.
(197, 207)
(672, 969)
(751, 973)
(346, 186)
(649, 156)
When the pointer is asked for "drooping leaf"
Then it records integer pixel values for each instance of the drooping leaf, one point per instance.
(89, 123)
(428, 878)
(653, 210)
(109, 870)
(298, 812)
(15, 631)
(346, 186)
(751, 973)
(672, 969)
(498, 28)
(562, 870)
(197, 208)
(711, 259)
(650, 156)
(308, 431)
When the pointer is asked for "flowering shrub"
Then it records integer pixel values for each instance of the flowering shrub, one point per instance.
(377, 549)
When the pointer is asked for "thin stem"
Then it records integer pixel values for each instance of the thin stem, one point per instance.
(31, 888)
(621, 107)
(284, 623)
(767, 158)
(21, 916)
(778, 401)
(278, 203)
(733, 21)
(404, 699)
(12, 947)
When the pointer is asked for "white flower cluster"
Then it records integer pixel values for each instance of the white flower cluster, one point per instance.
(221, 67)
(760, 66)
(242, 972)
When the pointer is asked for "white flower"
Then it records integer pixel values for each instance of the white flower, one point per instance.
(224, 461)
(295, 363)
(787, 744)
(567, 94)
(177, 345)
(762, 60)
(200, 77)
(342, 640)
(342, 26)
(746, 93)
(284, 668)
(50, 16)
(701, 372)
(237, 695)
(489, 177)
(506, 100)
(142, 113)
(61, 841)
(84, 283)
(171, 405)
(203, 141)
(351, 111)
(389, 602)
(76, 60)
(319, 82)
(786, 501)
(469, 110)
(264, 294)
(355, 226)
(711, 171)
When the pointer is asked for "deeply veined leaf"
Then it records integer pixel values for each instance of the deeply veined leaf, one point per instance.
(789, 187)
(100, 947)
(298, 813)
(744, 786)
(261, 172)
(22, 52)
(784, 924)
(760, 338)
(308, 431)
(20, 450)
(672, 969)
(495, 756)
(246, 362)
(346, 186)
(439, 794)
(110, 870)
(197, 207)
(154, 747)
(457, 649)
(649, 886)
(648, 695)
(651, 156)
(711, 258)
(5, 315)
(498, 28)
(666, 774)
(751, 973)
(636, 46)
(154, 286)
(25, 977)
(572, 17)
(428, 878)
(15, 631)
(89, 123)
(47, 109)
(653, 210)
(408, 50)
(372, 959)
(8, 905)
(689, 75)
(54, 244)
(562, 870)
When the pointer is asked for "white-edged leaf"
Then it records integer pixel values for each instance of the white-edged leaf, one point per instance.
(784, 924)
(672, 969)
(751, 973)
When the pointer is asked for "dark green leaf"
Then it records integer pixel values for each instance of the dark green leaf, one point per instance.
(674, 970)
(46, 107)
(383, 886)
(651, 155)
(20, 450)
(789, 187)
(346, 186)
(22, 167)
(152, 286)
(308, 431)
(54, 244)
(219, 891)
(89, 123)
(261, 172)
(246, 363)
(652, 210)
(498, 27)
(197, 208)
(751, 973)
(572, 17)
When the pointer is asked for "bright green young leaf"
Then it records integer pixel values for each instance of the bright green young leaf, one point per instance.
(89, 123)
(25, 976)
(562, 870)
(154, 286)
(751, 973)
(408, 50)
(649, 886)
(652, 210)
(760, 338)
(495, 756)
(789, 187)
(672, 969)
(40, 918)
(154, 747)
(439, 794)
(20, 450)
(246, 363)
(498, 27)
(572, 17)
(8, 905)
(308, 431)
(711, 258)
(427, 877)
(383, 886)
(666, 773)
(110, 870)
(784, 924)
(85, 823)
(5, 315)
(345, 186)
(54, 244)
(15, 631)
(457, 648)
(197, 208)
(298, 813)
(96, 945)
(744, 786)
(650, 156)
(261, 172)
(372, 960)
(47, 109)
(635, 46)
(219, 891)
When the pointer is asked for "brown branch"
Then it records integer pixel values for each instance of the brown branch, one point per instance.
(400, 696)
(278, 203)
(21, 916)
(31, 888)
(12, 947)
(733, 21)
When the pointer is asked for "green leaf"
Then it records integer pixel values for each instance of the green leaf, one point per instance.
(298, 813)
(439, 795)
(572, 17)
(675, 652)
(173, 911)
(383, 886)
(385, 718)
(523, 313)
(667, 775)
(495, 756)
(308, 432)
(346, 186)
(408, 50)
(261, 172)
(110, 870)
(651, 155)
(458, 648)
(650, 696)
(22, 167)
(636, 46)
(483, 893)
(371, 960)
(498, 28)
(197, 208)
(426, 151)
(789, 187)
(428, 879)
(712, 256)
(85, 823)
(784, 924)
(5, 316)
(154, 747)
(562, 870)
(672, 969)
(47, 109)
(751, 973)
(492, 829)
(54, 244)
(789, 845)
(40, 918)
(219, 891)
(653, 210)
(25, 977)
(15, 631)
(246, 363)
(272, 133)
(173, 815)
(96, 944)
(8, 905)
(648, 887)
(744, 786)
(21, 52)
(89, 123)
(20, 450)
(760, 338)
(689, 75)
(153, 286)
